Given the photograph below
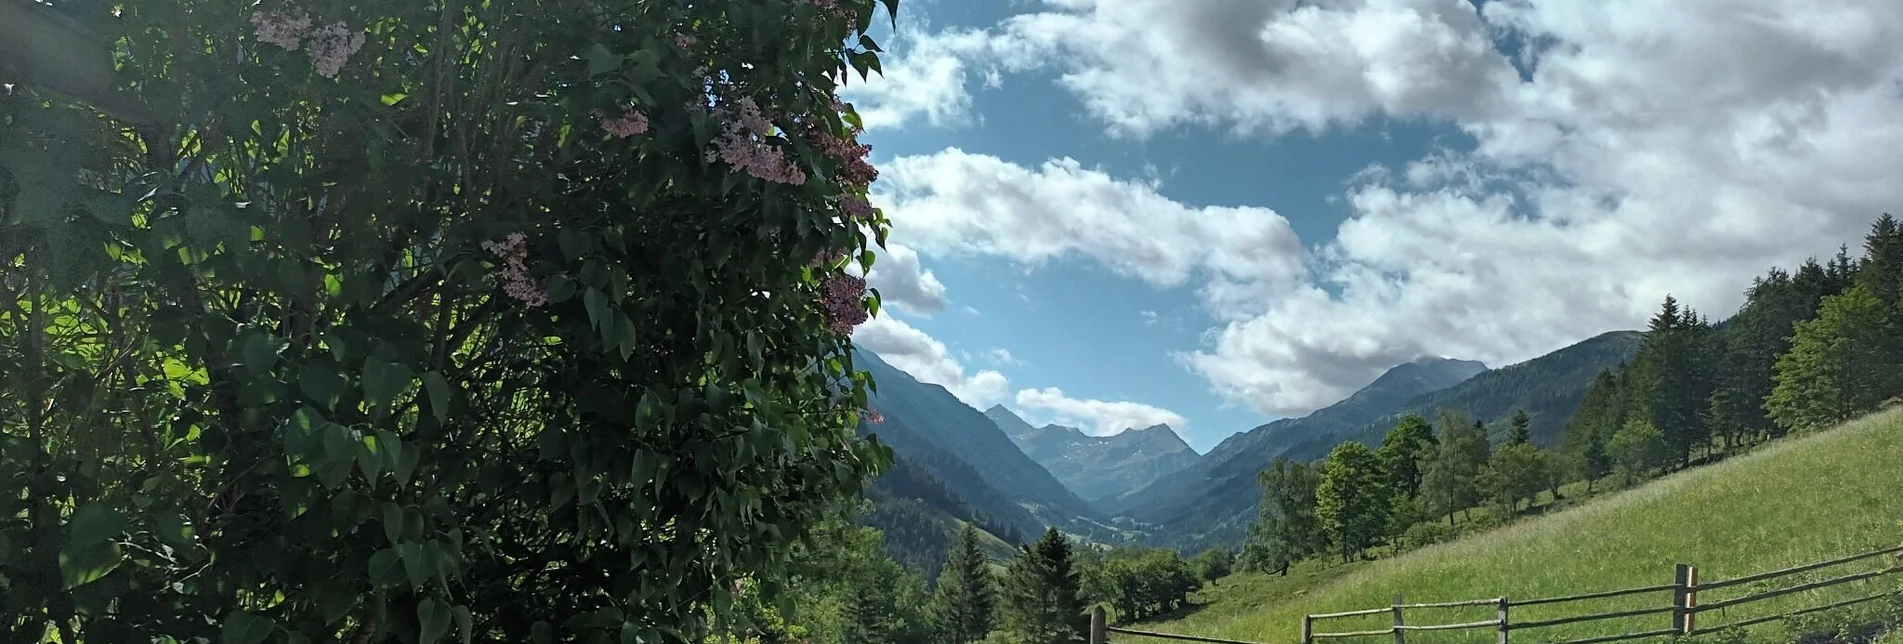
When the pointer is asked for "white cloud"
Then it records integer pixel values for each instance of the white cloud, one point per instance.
(926, 76)
(1659, 146)
(957, 202)
(925, 358)
(1003, 356)
(1098, 417)
(1150, 318)
(902, 281)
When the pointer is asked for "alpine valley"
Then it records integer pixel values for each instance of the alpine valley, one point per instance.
(957, 465)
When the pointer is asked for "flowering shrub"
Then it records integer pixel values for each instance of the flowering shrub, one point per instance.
(423, 319)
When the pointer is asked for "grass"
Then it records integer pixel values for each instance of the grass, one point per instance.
(1802, 500)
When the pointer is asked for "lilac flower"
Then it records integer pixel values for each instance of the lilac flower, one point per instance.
(514, 253)
(280, 29)
(628, 124)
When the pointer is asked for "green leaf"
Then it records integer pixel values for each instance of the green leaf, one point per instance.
(597, 305)
(382, 380)
(542, 633)
(386, 567)
(94, 524)
(393, 523)
(393, 99)
(601, 61)
(438, 389)
(416, 564)
(405, 465)
(173, 530)
(245, 628)
(465, 623)
(433, 616)
(322, 384)
(370, 459)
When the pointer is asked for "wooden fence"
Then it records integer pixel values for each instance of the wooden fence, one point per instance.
(1684, 608)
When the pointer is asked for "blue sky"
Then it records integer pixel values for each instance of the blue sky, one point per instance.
(1201, 213)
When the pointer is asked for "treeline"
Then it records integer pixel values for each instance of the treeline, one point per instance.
(1808, 349)
(850, 591)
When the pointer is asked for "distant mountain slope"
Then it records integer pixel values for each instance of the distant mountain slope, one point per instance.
(1098, 467)
(1215, 495)
(961, 447)
(1548, 388)
(920, 516)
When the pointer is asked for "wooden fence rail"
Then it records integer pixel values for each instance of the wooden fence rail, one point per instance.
(1683, 607)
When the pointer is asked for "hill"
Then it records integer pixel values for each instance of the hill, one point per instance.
(1213, 500)
(959, 446)
(1098, 467)
(1548, 388)
(1798, 501)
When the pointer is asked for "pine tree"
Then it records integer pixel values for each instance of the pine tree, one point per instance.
(1583, 443)
(1517, 431)
(1352, 500)
(1668, 379)
(1041, 594)
(1882, 271)
(963, 604)
(1837, 366)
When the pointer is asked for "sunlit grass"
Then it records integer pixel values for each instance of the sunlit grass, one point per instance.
(1806, 499)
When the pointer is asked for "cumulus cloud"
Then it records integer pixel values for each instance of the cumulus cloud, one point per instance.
(1097, 417)
(925, 358)
(928, 76)
(1003, 356)
(1644, 147)
(954, 201)
(902, 281)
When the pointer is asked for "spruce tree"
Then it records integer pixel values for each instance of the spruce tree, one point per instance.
(1519, 429)
(1041, 594)
(1882, 271)
(962, 606)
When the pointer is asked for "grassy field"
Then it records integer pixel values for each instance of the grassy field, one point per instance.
(1807, 499)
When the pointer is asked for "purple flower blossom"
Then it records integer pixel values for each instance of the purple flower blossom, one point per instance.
(855, 207)
(280, 29)
(514, 253)
(628, 124)
(742, 144)
(332, 46)
(843, 297)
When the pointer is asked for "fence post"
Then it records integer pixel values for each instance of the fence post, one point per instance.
(1400, 635)
(1681, 591)
(1691, 600)
(1504, 625)
(1308, 629)
(1097, 635)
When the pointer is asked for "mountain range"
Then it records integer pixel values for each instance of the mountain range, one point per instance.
(1098, 468)
(993, 469)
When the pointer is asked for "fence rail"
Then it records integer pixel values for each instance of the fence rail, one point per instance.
(1684, 607)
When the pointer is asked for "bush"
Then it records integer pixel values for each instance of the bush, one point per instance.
(1421, 535)
(412, 318)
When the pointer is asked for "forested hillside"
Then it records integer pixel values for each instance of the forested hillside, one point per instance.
(1808, 349)
(1208, 501)
(1546, 389)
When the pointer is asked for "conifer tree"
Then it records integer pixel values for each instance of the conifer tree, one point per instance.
(966, 596)
(1518, 429)
(1041, 594)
